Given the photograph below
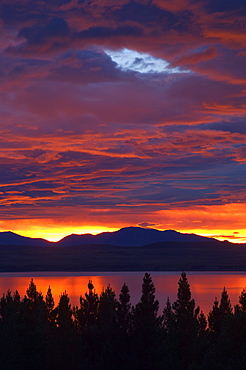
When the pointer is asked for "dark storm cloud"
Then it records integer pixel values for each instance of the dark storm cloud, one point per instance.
(38, 33)
(145, 14)
(233, 125)
(225, 6)
(87, 66)
(104, 32)
(16, 12)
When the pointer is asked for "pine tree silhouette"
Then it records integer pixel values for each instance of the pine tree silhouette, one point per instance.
(146, 326)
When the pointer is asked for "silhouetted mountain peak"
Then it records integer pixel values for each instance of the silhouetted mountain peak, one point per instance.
(11, 238)
(127, 236)
(9, 233)
(131, 236)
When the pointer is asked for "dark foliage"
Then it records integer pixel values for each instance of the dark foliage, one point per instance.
(108, 333)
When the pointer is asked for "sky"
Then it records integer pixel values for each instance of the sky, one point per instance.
(119, 113)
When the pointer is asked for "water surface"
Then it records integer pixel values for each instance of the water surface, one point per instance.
(205, 286)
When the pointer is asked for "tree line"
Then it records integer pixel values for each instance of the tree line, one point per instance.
(104, 332)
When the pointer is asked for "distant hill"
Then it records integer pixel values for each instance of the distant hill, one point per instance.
(125, 237)
(128, 249)
(130, 237)
(10, 238)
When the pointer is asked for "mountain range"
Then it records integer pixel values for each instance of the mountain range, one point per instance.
(128, 237)
(128, 249)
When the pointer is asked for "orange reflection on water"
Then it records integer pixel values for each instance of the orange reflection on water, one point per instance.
(75, 286)
(205, 286)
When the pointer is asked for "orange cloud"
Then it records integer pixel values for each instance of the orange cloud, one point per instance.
(195, 58)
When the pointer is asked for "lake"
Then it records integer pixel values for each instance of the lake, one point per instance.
(205, 286)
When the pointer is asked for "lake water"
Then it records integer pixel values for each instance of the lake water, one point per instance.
(205, 286)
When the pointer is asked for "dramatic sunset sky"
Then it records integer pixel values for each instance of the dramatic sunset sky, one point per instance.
(120, 113)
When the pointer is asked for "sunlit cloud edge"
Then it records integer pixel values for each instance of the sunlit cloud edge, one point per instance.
(131, 60)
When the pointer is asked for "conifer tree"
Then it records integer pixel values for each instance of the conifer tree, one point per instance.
(49, 301)
(31, 291)
(241, 307)
(168, 317)
(10, 351)
(219, 312)
(214, 317)
(64, 314)
(225, 304)
(107, 334)
(107, 308)
(148, 306)
(64, 342)
(146, 326)
(170, 338)
(124, 326)
(242, 300)
(124, 309)
(86, 314)
(85, 320)
(202, 323)
(186, 323)
(34, 328)
(184, 307)
(51, 313)
(225, 333)
(16, 298)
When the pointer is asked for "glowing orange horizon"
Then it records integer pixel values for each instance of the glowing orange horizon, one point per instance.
(57, 234)
(222, 222)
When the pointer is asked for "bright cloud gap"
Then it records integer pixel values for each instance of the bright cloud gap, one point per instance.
(131, 60)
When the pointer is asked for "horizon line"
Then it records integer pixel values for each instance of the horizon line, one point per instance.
(223, 238)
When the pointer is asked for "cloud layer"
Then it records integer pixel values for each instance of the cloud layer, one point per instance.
(85, 143)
